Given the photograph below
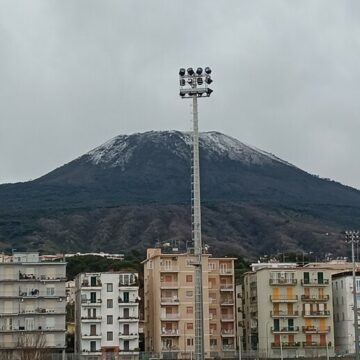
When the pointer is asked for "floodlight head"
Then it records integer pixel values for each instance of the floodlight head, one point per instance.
(190, 71)
(182, 72)
(182, 82)
(208, 70)
(199, 70)
(209, 91)
(182, 93)
(199, 80)
(208, 80)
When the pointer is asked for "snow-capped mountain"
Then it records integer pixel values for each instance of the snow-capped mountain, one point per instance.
(118, 151)
(135, 189)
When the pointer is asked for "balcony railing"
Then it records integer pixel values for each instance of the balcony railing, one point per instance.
(227, 287)
(315, 282)
(170, 317)
(293, 344)
(284, 330)
(315, 297)
(283, 298)
(315, 330)
(169, 268)
(92, 318)
(284, 281)
(227, 317)
(172, 332)
(226, 302)
(324, 313)
(225, 332)
(314, 344)
(170, 300)
(91, 302)
(86, 283)
(226, 272)
(281, 313)
(169, 284)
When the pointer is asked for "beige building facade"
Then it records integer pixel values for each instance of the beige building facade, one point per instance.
(169, 303)
(288, 311)
(32, 303)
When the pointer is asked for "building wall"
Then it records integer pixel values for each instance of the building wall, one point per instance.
(289, 311)
(32, 301)
(170, 306)
(106, 313)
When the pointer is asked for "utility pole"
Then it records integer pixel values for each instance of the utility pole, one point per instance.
(352, 237)
(193, 85)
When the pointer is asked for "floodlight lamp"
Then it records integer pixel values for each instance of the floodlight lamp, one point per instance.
(208, 80)
(199, 80)
(182, 82)
(199, 70)
(190, 81)
(182, 72)
(190, 71)
(208, 70)
(182, 93)
(209, 91)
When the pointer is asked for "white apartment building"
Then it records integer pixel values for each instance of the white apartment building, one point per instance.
(107, 314)
(288, 311)
(343, 302)
(32, 302)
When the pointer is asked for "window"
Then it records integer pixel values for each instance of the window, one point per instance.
(126, 297)
(213, 343)
(189, 294)
(109, 336)
(109, 303)
(109, 287)
(189, 309)
(189, 278)
(109, 319)
(212, 266)
(50, 291)
(190, 342)
(150, 264)
(93, 281)
(93, 297)
(92, 346)
(189, 262)
(342, 284)
(189, 326)
(92, 329)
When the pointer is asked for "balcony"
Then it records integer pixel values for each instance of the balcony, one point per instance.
(283, 282)
(169, 317)
(128, 336)
(121, 302)
(315, 282)
(283, 298)
(42, 278)
(227, 317)
(227, 333)
(288, 345)
(284, 314)
(169, 268)
(314, 344)
(87, 284)
(91, 318)
(128, 319)
(315, 298)
(226, 302)
(227, 287)
(315, 330)
(169, 301)
(90, 302)
(314, 314)
(285, 330)
(169, 285)
(228, 347)
(173, 332)
(226, 272)
(91, 336)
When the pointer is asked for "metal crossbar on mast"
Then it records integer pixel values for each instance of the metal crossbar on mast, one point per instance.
(194, 85)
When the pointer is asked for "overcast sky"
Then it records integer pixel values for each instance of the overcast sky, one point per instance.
(74, 73)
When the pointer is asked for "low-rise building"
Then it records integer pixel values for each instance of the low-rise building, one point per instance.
(288, 311)
(107, 314)
(32, 303)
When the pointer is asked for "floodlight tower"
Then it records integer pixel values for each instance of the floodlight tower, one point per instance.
(192, 86)
(353, 237)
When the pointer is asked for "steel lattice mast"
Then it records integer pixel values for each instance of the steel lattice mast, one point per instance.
(194, 85)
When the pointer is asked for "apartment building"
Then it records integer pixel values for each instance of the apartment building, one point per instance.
(343, 303)
(169, 304)
(32, 303)
(288, 311)
(107, 314)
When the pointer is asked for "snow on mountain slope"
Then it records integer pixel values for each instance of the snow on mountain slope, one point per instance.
(118, 151)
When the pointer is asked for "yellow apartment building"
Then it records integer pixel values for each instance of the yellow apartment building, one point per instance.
(169, 304)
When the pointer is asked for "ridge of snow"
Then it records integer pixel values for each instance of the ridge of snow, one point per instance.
(118, 151)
